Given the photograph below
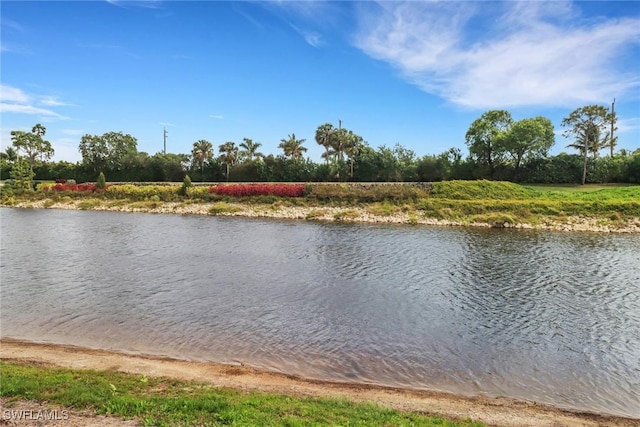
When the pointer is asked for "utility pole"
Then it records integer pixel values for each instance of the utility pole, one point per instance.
(613, 119)
(164, 149)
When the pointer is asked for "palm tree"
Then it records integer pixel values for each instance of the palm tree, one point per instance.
(352, 148)
(293, 147)
(202, 150)
(587, 140)
(323, 137)
(250, 149)
(228, 155)
(39, 130)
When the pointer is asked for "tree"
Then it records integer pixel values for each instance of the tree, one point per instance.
(107, 151)
(528, 139)
(587, 125)
(32, 144)
(485, 135)
(22, 175)
(101, 182)
(168, 167)
(352, 148)
(323, 137)
(186, 184)
(202, 150)
(293, 147)
(250, 150)
(228, 155)
(10, 154)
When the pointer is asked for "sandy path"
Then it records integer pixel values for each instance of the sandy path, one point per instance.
(505, 412)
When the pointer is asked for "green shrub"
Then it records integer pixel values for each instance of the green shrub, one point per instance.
(101, 182)
(186, 184)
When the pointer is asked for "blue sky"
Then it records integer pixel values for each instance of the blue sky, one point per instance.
(415, 73)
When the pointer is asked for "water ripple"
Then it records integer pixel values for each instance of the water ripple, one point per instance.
(552, 317)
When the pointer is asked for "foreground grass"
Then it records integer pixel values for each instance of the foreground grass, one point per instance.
(166, 402)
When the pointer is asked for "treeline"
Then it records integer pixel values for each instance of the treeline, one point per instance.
(382, 165)
(500, 148)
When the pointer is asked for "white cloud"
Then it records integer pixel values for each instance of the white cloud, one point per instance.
(628, 125)
(51, 101)
(217, 116)
(15, 100)
(516, 54)
(27, 109)
(312, 38)
(147, 4)
(13, 94)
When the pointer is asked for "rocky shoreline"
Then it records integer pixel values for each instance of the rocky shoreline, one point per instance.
(334, 214)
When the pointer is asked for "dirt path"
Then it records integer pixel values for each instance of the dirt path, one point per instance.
(504, 412)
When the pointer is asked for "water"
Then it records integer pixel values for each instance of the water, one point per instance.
(544, 316)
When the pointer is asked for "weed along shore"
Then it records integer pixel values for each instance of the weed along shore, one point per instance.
(451, 203)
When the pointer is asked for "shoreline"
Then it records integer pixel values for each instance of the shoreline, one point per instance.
(346, 214)
(492, 411)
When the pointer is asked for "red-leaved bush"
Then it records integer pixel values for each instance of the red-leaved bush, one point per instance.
(74, 187)
(243, 190)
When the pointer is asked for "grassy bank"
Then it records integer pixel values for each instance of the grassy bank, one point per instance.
(461, 202)
(167, 402)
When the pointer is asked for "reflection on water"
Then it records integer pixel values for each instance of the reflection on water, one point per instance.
(551, 317)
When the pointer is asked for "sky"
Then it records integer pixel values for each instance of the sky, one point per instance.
(416, 73)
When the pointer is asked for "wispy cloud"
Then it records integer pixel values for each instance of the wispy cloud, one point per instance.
(312, 38)
(519, 54)
(13, 94)
(310, 19)
(628, 125)
(15, 100)
(147, 4)
(52, 101)
(217, 116)
(9, 25)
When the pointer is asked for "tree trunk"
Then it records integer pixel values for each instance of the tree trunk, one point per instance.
(584, 166)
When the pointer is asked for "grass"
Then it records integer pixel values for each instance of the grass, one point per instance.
(220, 208)
(167, 402)
(465, 202)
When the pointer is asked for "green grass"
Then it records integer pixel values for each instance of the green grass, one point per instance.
(461, 201)
(166, 402)
(482, 189)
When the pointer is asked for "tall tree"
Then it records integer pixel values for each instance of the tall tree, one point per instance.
(352, 148)
(527, 139)
(228, 155)
(587, 125)
(485, 135)
(250, 150)
(323, 137)
(107, 151)
(32, 144)
(292, 147)
(202, 151)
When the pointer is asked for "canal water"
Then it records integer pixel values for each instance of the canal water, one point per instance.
(546, 316)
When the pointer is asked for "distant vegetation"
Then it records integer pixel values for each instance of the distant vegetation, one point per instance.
(499, 148)
(481, 201)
